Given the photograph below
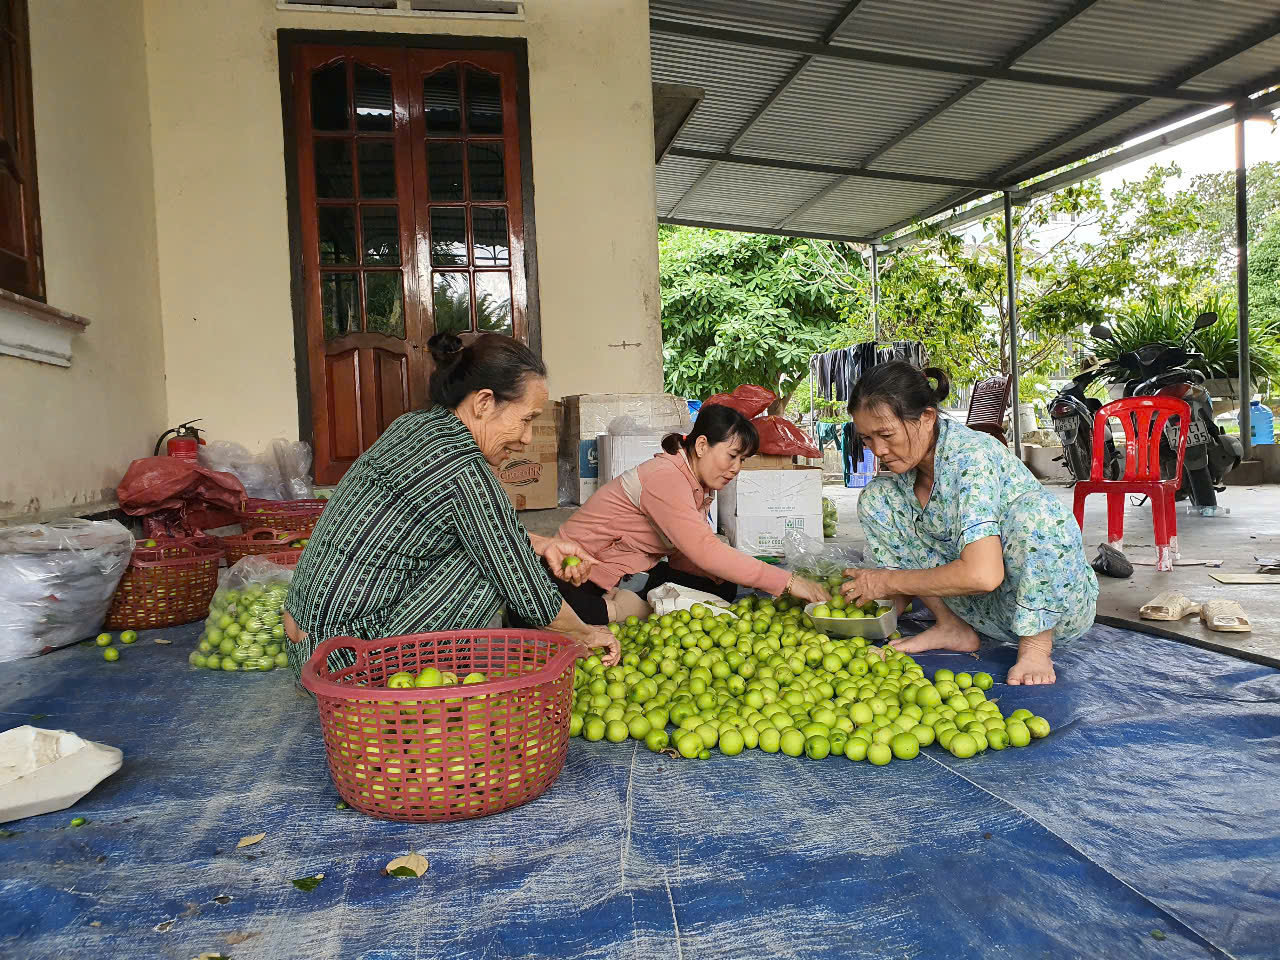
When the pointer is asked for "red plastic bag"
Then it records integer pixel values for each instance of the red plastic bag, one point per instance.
(748, 400)
(782, 438)
(183, 497)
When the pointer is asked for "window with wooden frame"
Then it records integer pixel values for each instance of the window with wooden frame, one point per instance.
(21, 263)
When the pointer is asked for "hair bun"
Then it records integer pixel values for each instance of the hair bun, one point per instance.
(939, 376)
(444, 348)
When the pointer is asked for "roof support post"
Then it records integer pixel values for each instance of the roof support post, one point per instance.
(1242, 281)
(875, 293)
(1012, 288)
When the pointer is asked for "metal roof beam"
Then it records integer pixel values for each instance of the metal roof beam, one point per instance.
(1039, 37)
(745, 228)
(862, 54)
(837, 170)
(835, 27)
(1216, 121)
(1223, 54)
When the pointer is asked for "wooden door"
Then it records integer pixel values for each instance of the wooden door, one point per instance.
(411, 221)
(366, 333)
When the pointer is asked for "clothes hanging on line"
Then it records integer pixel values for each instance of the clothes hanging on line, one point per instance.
(834, 373)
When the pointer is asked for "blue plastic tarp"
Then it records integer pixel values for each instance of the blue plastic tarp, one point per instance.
(1145, 825)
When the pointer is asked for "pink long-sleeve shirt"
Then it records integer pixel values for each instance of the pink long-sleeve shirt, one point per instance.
(657, 510)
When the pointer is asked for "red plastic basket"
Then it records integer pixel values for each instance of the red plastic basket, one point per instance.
(445, 753)
(284, 558)
(262, 540)
(165, 585)
(280, 514)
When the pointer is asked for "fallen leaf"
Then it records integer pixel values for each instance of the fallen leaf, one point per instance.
(163, 640)
(96, 923)
(307, 884)
(235, 938)
(6, 834)
(163, 926)
(212, 956)
(413, 865)
(37, 717)
(1158, 935)
(250, 840)
(224, 899)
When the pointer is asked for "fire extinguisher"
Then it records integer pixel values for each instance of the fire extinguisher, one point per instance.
(184, 443)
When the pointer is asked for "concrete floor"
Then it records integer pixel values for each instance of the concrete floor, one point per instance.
(1252, 529)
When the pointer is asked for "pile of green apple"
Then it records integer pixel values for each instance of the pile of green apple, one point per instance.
(840, 609)
(243, 630)
(430, 677)
(830, 518)
(759, 676)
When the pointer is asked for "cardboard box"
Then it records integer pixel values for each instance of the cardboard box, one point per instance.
(775, 493)
(586, 416)
(761, 506)
(768, 461)
(530, 478)
(766, 536)
(617, 455)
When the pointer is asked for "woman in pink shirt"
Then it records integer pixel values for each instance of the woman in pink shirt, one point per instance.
(653, 519)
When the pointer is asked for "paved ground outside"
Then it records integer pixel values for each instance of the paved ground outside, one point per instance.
(1251, 530)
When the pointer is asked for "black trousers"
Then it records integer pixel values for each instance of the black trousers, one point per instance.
(587, 601)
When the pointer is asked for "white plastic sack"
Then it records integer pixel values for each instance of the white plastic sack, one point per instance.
(671, 597)
(46, 770)
(57, 581)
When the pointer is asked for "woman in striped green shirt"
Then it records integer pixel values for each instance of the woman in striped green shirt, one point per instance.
(419, 536)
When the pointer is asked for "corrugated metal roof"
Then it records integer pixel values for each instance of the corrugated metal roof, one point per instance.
(796, 19)
(930, 27)
(751, 195)
(1146, 41)
(675, 176)
(840, 112)
(775, 90)
(991, 128)
(736, 80)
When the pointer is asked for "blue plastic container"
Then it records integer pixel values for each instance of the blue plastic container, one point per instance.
(865, 471)
(1262, 424)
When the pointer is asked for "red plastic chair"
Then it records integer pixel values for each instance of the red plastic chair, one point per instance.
(1143, 420)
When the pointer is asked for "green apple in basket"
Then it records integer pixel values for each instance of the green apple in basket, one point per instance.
(400, 681)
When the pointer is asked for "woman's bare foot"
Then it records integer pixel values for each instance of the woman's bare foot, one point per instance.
(955, 635)
(1035, 665)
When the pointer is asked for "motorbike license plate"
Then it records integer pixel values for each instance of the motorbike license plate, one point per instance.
(1198, 435)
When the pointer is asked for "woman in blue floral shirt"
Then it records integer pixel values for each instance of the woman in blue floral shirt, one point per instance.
(964, 525)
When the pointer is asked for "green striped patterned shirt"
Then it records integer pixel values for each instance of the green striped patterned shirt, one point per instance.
(419, 536)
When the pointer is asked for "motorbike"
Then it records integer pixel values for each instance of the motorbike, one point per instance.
(1072, 412)
(1158, 369)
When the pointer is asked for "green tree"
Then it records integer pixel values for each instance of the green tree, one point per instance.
(1215, 193)
(1080, 257)
(1264, 277)
(742, 308)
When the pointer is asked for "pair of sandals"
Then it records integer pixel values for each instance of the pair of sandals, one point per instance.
(1222, 616)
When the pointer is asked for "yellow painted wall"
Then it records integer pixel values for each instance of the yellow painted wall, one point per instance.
(67, 434)
(222, 218)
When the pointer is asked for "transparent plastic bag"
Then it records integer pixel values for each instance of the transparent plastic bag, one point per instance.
(57, 581)
(244, 632)
(293, 461)
(281, 472)
(259, 474)
(817, 560)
